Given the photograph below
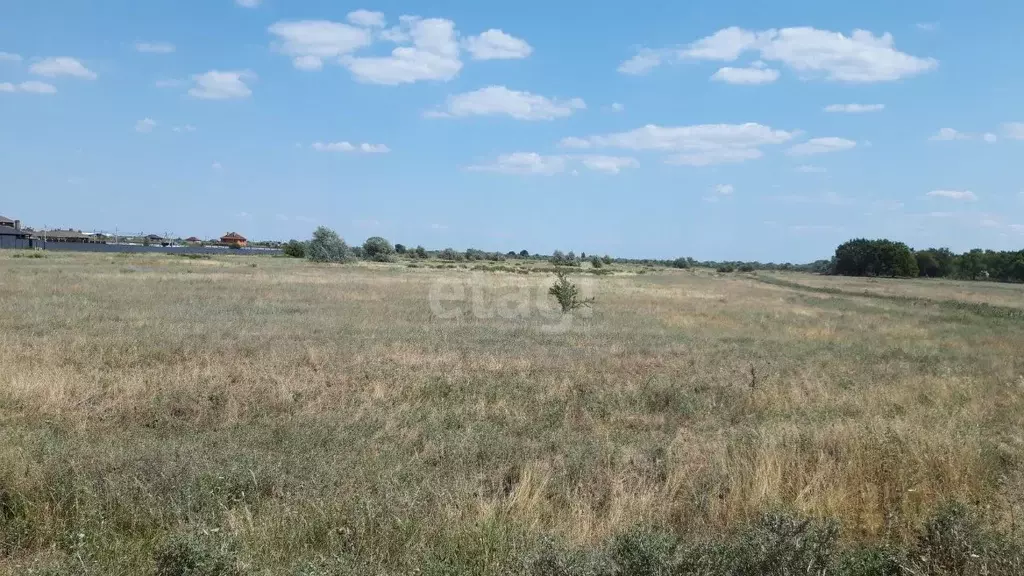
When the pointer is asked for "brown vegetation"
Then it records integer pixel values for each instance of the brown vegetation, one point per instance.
(291, 414)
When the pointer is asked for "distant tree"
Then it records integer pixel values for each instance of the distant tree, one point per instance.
(861, 257)
(927, 265)
(511, 254)
(596, 262)
(448, 254)
(606, 259)
(557, 258)
(746, 267)
(377, 248)
(294, 249)
(420, 252)
(568, 294)
(327, 246)
(400, 249)
(583, 255)
(570, 259)
(681, 263)
(970, 264)
(524, 254)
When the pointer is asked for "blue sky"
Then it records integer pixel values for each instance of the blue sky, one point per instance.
(727, 130)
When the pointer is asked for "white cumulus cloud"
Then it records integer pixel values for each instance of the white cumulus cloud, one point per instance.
(1014, 130)
(746, 75)
(948, 134)
(499, 100)
(310, 42)
(643, 62)
(821, 146)
(222, 85)
(720, 191)
(965, 195)
(608, 164)
(855, 108)
(861, 57)
(367, 19)
(30, 87)
(433, 55)
(523, 163)
(365, 147)
(62, 66)
(497, 45)
(145, 126)
(155, 47)
(699, 145)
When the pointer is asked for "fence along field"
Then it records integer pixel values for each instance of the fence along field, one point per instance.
(254, 415)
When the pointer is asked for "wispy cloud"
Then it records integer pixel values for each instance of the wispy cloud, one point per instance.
(155, 47)
(965, 195)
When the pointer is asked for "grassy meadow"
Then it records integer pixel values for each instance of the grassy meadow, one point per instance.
(258, 415)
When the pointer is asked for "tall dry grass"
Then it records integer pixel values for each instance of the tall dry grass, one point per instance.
(296, 413)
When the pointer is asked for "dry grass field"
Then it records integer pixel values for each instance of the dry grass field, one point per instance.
(257, 415)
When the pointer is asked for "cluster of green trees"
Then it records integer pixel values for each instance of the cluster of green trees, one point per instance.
(862, 257)
(858, 257)
(327, 246)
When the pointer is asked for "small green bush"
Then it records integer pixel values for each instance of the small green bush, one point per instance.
(327, 246)
(726, 269)
(196, 556)
(378, 249)
(568, 294)
(294, 249)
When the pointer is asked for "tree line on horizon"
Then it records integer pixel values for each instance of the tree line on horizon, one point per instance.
(862, 257)
(327, 246)
(857, 257)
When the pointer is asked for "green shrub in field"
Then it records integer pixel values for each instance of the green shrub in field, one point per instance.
(596, 262)
(726, 269)
(952, 542)
(568, 294)
(196, 556)
(294, 249)
(645, 553)
(782, 543)
(681, 263)
(327, 246)
(378, 249)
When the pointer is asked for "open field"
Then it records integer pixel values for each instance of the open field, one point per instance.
(303, 419)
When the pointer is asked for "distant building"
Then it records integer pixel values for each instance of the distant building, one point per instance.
(68, 236)
(193, 240)
(234, 240)
(12, 236)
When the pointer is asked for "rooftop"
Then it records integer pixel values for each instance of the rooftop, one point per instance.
(62, 234)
